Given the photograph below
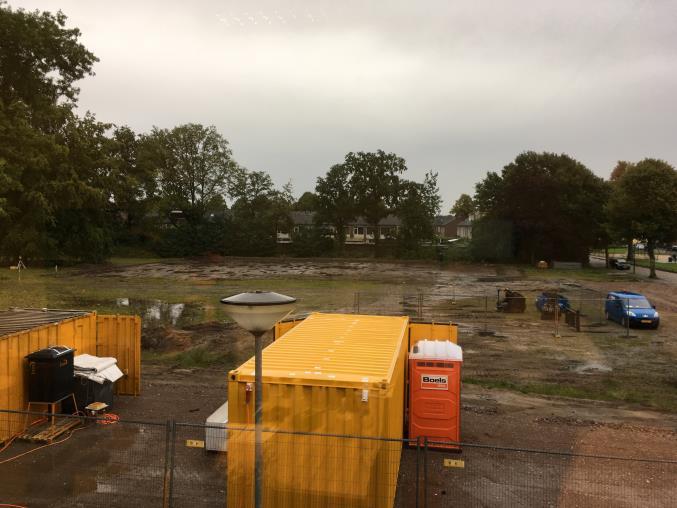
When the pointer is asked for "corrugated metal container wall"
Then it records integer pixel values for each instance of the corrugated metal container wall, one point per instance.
(120, 337)
(282, 327)
(336, 374)
(78, 333)
(432, 331)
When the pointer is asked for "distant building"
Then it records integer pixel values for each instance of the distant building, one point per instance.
(446, 226)
(299, 221)
(357, 232)
(464, 229)
(361, 232)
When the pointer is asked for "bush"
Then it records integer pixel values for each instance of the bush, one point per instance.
(311, 242)
(492, 240)
(187, 239)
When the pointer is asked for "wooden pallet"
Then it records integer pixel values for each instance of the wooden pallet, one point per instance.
(47, 432)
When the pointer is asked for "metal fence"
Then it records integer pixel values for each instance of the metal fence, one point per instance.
(492, 311)
(127, 464)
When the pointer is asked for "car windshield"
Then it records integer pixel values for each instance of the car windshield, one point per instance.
(637, 303)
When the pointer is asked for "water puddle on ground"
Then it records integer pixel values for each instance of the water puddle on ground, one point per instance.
(591, 367)
(159, 312)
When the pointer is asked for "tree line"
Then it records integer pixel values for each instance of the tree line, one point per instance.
(545, 206)
(75, 188)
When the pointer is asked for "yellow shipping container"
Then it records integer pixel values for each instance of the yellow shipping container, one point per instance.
(432, 331)
(23, 331)
(330, 376)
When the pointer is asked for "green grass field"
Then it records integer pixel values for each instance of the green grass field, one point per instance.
(666, 267)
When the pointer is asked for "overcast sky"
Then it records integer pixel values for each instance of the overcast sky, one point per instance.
(458, 87)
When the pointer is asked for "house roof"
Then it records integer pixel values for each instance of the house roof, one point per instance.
(444, 220)
(308, 218)
(302, 218)
(390, 220)
(19, 320)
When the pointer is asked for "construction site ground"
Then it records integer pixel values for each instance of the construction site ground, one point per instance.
(529, 383)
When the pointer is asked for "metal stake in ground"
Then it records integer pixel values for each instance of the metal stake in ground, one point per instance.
(257, 312)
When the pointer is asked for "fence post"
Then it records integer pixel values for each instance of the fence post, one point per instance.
(425, 471)
(172, 453)
(418, 474)
(557, 315)
(486, 313)
(627, 319)
(165, 482)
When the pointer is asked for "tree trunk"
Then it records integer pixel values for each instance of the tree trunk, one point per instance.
(340, 238)
(652, 259)
(631, 251)
(606, 256)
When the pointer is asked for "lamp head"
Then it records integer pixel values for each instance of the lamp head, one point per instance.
(258, 311)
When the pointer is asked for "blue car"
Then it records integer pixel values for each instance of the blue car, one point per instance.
(633, 309)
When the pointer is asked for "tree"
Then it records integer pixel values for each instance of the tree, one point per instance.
(619, 170)
(488, 192)
(306, 203)
(418, 205)
(258, 212)
(375, 184)
(463, 207)
(194, 167)
(40, 60)
(336, 201)
(554, 204)
(246, 187)
(52, 163)
(643, 205)
(131, 186)
(616, 173)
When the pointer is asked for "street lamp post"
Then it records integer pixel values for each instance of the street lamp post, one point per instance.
(257, 312)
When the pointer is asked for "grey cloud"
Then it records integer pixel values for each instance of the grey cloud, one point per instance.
(456, 87)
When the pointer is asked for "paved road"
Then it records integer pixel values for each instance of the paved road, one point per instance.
(666, 277)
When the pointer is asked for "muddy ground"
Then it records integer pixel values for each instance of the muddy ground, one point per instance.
(528, 383)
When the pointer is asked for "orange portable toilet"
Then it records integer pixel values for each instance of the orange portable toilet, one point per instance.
(435, 392)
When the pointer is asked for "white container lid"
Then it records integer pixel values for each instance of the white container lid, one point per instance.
(436, 350)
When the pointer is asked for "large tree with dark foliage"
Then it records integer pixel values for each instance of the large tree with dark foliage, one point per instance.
(52, 163)
(258, 212)
(194, 168)
(463, 207)
(132, 184)
(375, 182)
(335, 201)
(418, 205)
(643, 205)
(553, 202)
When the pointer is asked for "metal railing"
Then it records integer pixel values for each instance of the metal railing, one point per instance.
(134, 463)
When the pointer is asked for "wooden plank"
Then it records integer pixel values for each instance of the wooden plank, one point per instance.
(46, 433)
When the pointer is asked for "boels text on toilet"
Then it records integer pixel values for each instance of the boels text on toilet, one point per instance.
(436, 382)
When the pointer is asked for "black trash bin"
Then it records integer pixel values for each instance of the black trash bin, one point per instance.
(50, 374)
(88, 391)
